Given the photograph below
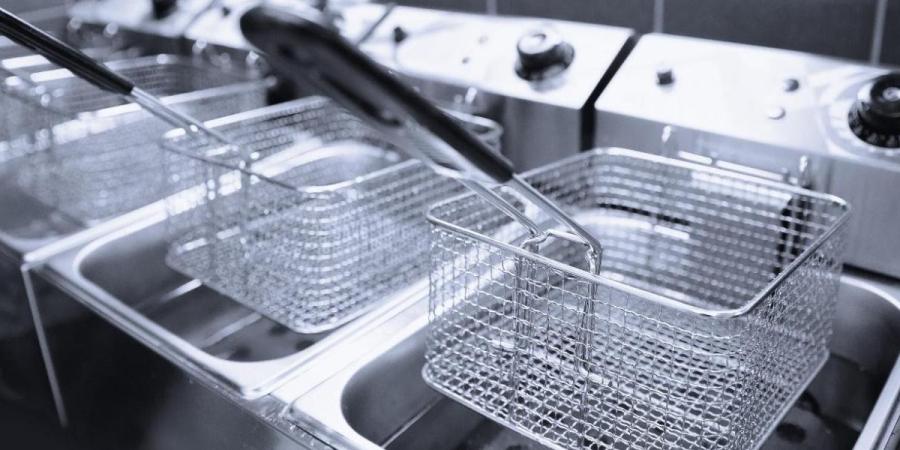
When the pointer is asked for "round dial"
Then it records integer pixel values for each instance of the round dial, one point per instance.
(543, 54)
(875, 117)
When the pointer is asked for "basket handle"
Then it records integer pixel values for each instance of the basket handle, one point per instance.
(308, 51)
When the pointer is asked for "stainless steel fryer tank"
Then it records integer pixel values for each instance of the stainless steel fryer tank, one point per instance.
(380, 400)
(767, 109)
(37, 222)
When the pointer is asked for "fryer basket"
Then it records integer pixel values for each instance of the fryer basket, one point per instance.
(66, 106)
(90, 157)
(711, 311)
(326, 219)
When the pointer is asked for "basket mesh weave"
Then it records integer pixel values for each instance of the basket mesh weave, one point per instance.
(655, 352)
(35, 119)
(329, 219)
(103, 164)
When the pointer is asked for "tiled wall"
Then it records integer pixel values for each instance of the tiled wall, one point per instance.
(843, 28)
(890, 39)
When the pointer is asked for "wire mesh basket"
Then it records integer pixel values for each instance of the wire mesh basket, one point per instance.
(328, 219)
(104, 163)
(55, 105)
(711, 309)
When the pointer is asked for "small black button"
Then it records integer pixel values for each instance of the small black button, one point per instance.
(664, 76)
(399, 34)
(790, 84)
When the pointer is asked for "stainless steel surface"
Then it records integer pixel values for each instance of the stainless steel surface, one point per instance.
(121, 393)
(219, 26)
(161, 332)
(147, 357)
(54, 20)
(118, 166)
(720, 102)
(138, 16)
(214, 337)
(334, 67)
(712, 310)
(38, 120)
(329, 221)
(376, 398)
(60, 187)
(467, 62)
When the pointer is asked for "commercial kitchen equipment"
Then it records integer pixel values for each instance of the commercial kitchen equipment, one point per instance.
(513, 335)
(158, 18)
(329, 223)
(55, 20)
(183, 365)
(64, 144)
(536, 77)
(711, 309)
(468, 63)
(768, 109)
(307, 50)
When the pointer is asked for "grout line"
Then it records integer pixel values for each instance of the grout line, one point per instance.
(659, 8)
(878, 31)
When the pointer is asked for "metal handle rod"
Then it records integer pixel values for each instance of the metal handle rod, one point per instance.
(595, 249)
(191, 125)
(307, 50)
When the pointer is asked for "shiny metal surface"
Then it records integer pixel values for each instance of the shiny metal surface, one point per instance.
(27, 238)
(328, 221)
(379, 400)
(59, 190)
(720, 104)
(467, 62)
(157, 331)
(55, 20)
(138, 16)
(146, 357)
(686, 337)
(118, 166)
(119, 392)
(217, 339)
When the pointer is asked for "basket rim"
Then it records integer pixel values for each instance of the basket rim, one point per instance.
(169, 138)
(154, 59)
(245, 81)
(663, 300)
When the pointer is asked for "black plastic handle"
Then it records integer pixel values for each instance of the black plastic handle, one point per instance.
(62, 54)
(302, 48)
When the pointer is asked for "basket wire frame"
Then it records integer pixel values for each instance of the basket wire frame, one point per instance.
(104, 163)
(39, 118)
(327, 220)
(712, 310)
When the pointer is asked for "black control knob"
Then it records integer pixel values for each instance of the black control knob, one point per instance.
(875, 117)
(162, 8)
(543, 54)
